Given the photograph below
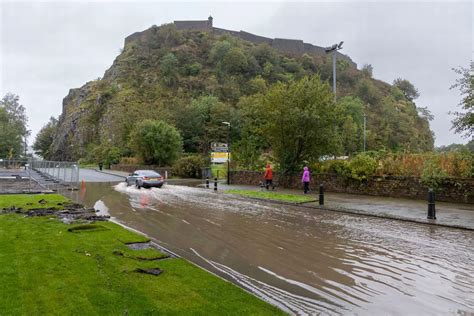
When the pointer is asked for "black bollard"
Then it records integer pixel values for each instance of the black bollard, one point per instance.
(431, 204)
(321, 194)
(207, 183)
(215, 184)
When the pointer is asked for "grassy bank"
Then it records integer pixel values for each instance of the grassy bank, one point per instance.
(269, 195)
(32, 201)
(47, 267)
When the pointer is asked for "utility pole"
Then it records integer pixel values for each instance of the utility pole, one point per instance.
(365, 123)
(334, 48)
(228, 151)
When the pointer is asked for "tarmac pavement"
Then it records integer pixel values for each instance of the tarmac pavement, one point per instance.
(456, 215)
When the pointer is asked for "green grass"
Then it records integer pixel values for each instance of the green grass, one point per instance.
(31, 201)
(273, 196)
(46, 269)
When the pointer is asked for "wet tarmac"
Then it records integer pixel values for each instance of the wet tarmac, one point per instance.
(305, 261)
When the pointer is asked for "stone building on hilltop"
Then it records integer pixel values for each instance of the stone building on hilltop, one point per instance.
(291, 47)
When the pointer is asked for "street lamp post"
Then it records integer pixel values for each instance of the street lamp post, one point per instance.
(228, 151)
(365, 123)
(334, 48)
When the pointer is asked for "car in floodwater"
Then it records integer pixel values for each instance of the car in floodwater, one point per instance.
(145, 179)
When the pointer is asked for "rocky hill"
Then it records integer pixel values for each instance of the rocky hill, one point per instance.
(162, 71)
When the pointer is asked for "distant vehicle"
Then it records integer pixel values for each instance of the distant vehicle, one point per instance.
(145, 179)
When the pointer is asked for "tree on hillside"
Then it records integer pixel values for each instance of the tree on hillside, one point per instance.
(168, 67)
(13, 126)
(350, 117)
(200, 123)
(407, 88)
(463, 122)
(298, 119)
(367, 70)
(45, 138)
(156, 142)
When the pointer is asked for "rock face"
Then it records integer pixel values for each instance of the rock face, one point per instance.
(101, 114)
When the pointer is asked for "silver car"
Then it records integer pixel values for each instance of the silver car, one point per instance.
(145, 179)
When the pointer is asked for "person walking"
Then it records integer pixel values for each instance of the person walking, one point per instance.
(268, 176)
(306, 178)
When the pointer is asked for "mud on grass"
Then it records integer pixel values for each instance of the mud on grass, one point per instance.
(44, 268)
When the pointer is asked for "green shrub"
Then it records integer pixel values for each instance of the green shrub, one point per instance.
(189, 167)
(432, 175)
(340, 167)
(362, 166)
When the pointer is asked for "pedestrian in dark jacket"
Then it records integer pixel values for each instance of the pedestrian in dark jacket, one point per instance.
(268, 176)
(306, 178)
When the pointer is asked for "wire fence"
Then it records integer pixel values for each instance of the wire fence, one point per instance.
(50, 175)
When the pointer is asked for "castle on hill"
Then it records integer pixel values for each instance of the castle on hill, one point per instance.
(287, 46)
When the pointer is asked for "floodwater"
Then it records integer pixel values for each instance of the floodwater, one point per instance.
(304, 261)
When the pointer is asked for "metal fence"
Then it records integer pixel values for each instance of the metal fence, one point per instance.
(62, 172)
(48, 174)
(9, 164)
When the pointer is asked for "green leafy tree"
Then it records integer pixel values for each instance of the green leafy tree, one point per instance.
(235, 61)
(367, 70)
(219, 50)
(45, 138)
(299, 119)
(168, 67)
(463, 122)
(13, 126)
(407, 88)
(350, 116)
(156, 142)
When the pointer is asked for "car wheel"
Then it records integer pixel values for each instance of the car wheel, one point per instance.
(159, 186)
(126, 182)
(138, 185)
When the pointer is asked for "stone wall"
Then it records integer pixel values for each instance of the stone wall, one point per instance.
(459, 190)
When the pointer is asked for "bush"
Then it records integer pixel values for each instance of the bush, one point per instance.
(340, 167)
(362, 166)
(432, 175)
(189, 167)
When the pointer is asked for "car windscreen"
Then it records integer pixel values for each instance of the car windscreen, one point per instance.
(148, 173)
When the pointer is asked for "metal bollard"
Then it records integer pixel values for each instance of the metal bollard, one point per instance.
(215, 184)
(207, 182)
(321, 194)
(431, 204)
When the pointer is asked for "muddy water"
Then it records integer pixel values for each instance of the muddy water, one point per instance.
(304, 261)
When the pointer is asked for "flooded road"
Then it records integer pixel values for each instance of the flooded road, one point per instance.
(304, 261)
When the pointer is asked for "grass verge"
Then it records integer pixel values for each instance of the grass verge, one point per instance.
(295, 198)
(32, 201)
(44, 269)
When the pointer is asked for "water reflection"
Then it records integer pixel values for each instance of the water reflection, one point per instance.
(305, 261)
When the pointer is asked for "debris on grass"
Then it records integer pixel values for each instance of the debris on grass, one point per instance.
(152, 271)
(87, 228)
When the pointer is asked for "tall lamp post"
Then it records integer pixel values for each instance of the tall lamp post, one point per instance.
(334, 48)
(228, 151)
(365, 123)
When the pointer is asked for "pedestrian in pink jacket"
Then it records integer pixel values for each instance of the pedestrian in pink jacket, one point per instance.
(306, 179)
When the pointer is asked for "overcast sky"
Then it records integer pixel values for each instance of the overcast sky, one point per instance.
(48, 47)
